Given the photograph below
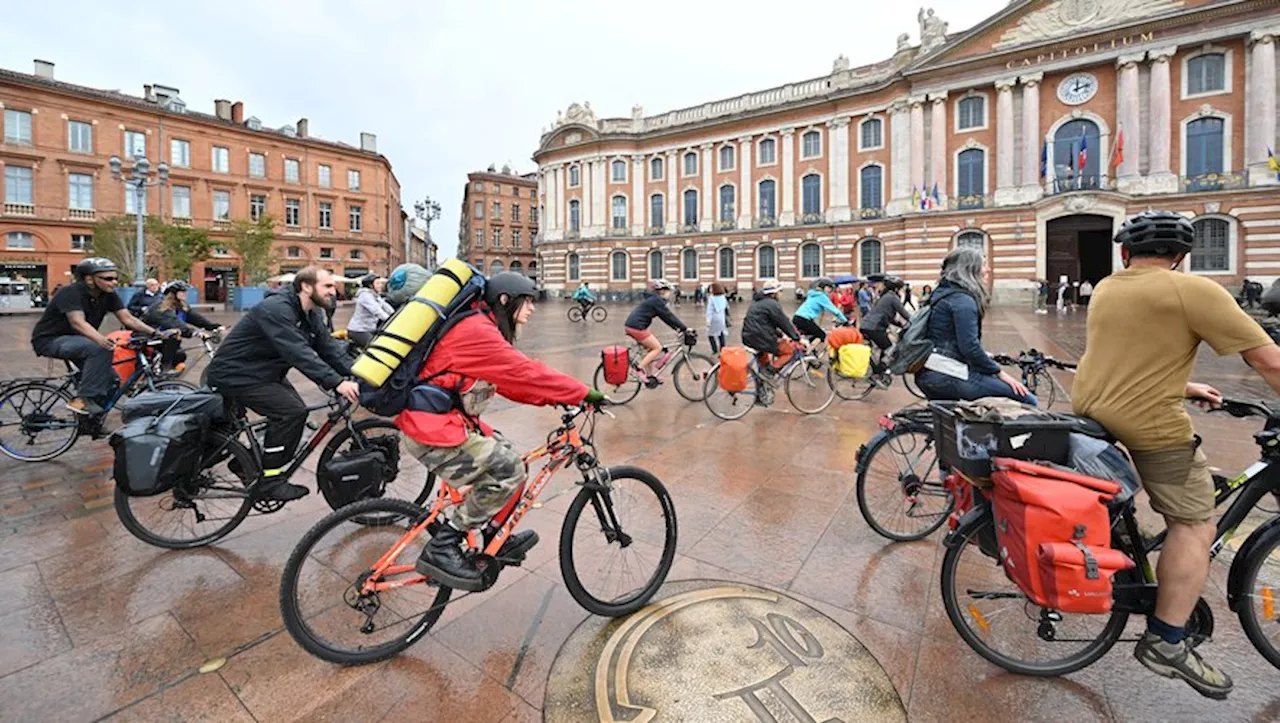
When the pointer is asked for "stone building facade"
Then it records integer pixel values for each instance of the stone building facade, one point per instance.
(1031, 136)
(499, 221)
(336, 205)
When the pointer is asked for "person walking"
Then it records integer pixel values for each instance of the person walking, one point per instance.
(1086, 290)
(717, 318)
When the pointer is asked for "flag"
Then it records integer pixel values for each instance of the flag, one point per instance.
(1044, 160)
(1272, 163)
(915, 197)
(935, 200)
(924, 198)
(1084, 152)
(1117, 152)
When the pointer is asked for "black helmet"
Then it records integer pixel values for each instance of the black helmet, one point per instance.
(367, 280)
(177, 287)
(509, 283)
(891, 282)
(823, 282)
(1157, 233)
(94, 265)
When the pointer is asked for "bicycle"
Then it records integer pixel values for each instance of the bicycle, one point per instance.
(206, 508)
(37, 426)
(805, 375)
(1035, 368)
(578, 312)
(1063, 643)
(688, 369)
(906, 476)
(202, 352)
(370, 562)
(855, 389)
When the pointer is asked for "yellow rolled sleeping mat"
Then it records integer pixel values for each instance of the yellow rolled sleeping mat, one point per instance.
(411, 322)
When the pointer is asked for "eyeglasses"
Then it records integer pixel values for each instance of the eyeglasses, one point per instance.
(111, 279)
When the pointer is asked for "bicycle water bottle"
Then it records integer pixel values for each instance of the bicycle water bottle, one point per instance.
(662, 360)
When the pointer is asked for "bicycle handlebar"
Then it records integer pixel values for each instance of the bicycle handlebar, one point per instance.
(1241, 409)
(1031, 357)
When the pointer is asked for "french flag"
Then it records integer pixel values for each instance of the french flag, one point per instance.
(1084, 152)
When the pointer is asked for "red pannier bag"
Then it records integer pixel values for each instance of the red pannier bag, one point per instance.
(734, 373)
(1055, 535)
(617, 364)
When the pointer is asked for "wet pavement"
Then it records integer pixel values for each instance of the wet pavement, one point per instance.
(100, 625)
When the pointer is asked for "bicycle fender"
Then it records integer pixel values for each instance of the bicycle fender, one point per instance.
(1236, 592)
(860, 459)
(968, 522)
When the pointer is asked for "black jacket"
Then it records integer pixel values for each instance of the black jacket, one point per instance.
(159, 318)
(653, 305)
(141, 301)
(272, 338)
(762, 323)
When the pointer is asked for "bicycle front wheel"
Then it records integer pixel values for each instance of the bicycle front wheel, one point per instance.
(808, 385)
(198, 511)
(35, 424)
(322, 597)
(1258, 614)
(1043, 387)
(599, 314)
(617, 393)
(618, 542)
(575, 313)
(899, 487)
(725, 404)
(690, 373)
(997, 620)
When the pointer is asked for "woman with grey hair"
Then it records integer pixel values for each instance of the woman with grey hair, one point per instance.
(958, 368)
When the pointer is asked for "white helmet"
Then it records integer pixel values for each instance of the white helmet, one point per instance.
(770, 288)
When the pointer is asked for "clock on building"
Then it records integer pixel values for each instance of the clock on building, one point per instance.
(1077, 88)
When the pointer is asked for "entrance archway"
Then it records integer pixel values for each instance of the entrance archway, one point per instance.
(1079, 247)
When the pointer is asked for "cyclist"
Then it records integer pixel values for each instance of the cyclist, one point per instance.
(885, 311)
(144, 298)
(761, 327)
(815, 303)
(286, 330)
(371, 310)
(1145, 324)
(584, 297)
(637, 325)
(172, 312)
(472, 361)
(68, 329)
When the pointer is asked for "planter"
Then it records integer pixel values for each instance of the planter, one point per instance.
(244, 298)
(193, 296)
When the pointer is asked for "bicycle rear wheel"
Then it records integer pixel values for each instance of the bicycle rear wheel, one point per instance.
(616, 555)
(1258, 615)
(808, 385)
(995, 618)
(689, 374)
(899, 487)
(321, 598)
(725, 404)
(35, 424)
(851, 389)
(575, 313)
(195, 512)
(617, 393)
(599, 314)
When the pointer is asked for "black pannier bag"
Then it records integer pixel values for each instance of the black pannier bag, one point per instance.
(152, 454)
(356, 474)
(206, 405)
(969, 434)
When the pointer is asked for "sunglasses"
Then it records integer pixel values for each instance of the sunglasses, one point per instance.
(111, 279)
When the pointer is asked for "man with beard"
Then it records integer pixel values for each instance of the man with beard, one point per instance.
(287, 330)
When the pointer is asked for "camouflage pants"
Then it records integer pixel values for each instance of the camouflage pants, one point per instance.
(489, 464)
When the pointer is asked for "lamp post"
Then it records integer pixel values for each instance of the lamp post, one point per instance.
(138, 182)
(427, 211)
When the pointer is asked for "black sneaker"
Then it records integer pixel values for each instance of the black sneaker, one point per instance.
(1181, 660)
(517, 546)
(281, 491)
(442, 560)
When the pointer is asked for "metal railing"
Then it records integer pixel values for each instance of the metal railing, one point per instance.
(870, 213)
(1218, 181)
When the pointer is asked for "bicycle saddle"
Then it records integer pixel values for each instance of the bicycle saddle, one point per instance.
(1088, 427)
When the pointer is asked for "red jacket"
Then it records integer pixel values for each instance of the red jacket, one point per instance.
(475, 350)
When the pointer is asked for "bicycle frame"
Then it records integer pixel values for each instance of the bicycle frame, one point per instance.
(301, 455)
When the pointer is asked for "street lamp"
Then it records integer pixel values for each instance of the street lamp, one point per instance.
(138, 182)
(427, 211)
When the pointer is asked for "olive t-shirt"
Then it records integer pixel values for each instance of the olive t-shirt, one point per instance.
(1144, 327)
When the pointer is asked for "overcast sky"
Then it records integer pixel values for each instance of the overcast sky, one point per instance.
(452, 86)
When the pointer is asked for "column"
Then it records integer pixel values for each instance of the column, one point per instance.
(1128, 120)
(938, 146)
(548, 219)
(838, 170)
(1261, 108)
(1032, 139)
(899, 159)
(707, 218)
(600, 195)
(637, 195)
(561, 209)
(746, 189)
(586, 203)
(672, 207)
(1162, 178)
(1005, 151)
(787, 182)
(916, 106)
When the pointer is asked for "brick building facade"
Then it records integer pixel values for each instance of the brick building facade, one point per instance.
(1031, 136)
(499, 221)
(336, 205)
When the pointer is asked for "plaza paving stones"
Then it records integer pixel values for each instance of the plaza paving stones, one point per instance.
(98, 625)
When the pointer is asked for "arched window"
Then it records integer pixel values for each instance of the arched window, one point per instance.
(871, 187)
(690, 207)
(1211, 251)
(974, 240)
(618, 270)
(811, 145)
(657, 214)
(517, 267)
(726, 260)
(971, 113)
(871, 134)
(293, 252)
(574, 176)
(656, 268)
(767, 262)
(619, 206)
(810, 261)
(689, 264)
(574, 263)
(726, 157)
(1206, 73)
(495, 267)
(728, 195)
(575, 215)
(768, 202)
(618, 171)
(533, 270)
(972, 171)
(1067, 143)
(768, 152)
(1204, 146)
(811, 198)
(869, 258)
(655, 169)
(691, 164)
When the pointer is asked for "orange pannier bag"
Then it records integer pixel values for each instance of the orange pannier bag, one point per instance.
(123, 359)
(786, 347)
(734, 373)
(843, 335)
(1054, 533)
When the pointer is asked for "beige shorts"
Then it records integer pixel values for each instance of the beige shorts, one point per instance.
(1178, 481)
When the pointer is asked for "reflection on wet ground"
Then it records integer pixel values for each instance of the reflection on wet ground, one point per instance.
(98, 624)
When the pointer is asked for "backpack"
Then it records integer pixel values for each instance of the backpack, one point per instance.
(616, 361)
(393, 396)
(735, 362)
(914, 344)
(1054, 535)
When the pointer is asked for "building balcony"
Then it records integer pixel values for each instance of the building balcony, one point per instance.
(19, 209)
(870, 213)
(1083, 182)
(1223, 181)
(183, 221)
(573, 234)
(963, 203)
(326, 232)
(656, 230)
(619, 231)
(81, 214)
(766, 222)
(726, 224)
(811, 218)
(221, 224)
(689, 228)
